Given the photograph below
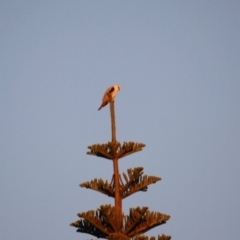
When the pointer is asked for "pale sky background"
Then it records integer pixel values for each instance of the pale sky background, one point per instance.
(178, 65)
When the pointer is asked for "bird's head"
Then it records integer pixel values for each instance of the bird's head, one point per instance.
(117, 87)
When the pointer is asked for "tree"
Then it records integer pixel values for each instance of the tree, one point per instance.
(109, 222)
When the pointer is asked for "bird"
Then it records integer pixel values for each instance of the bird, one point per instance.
(113, 90)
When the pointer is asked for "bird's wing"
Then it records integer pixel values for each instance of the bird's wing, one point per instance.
(109, 90)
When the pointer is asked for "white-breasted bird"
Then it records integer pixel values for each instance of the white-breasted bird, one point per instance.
(113, 90)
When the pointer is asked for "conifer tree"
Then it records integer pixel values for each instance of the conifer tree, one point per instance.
(109, 222)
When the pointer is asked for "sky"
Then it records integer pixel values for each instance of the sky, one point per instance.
(178, 65)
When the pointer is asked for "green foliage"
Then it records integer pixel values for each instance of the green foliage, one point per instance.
(134, 182)
(112, 150)
(105, 221)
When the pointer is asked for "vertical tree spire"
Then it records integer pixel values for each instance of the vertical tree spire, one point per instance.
(113, 121)
(108, 221)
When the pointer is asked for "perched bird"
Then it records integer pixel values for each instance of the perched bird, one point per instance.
(113, 90)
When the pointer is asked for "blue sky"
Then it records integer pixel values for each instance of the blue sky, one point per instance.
(177, 63)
